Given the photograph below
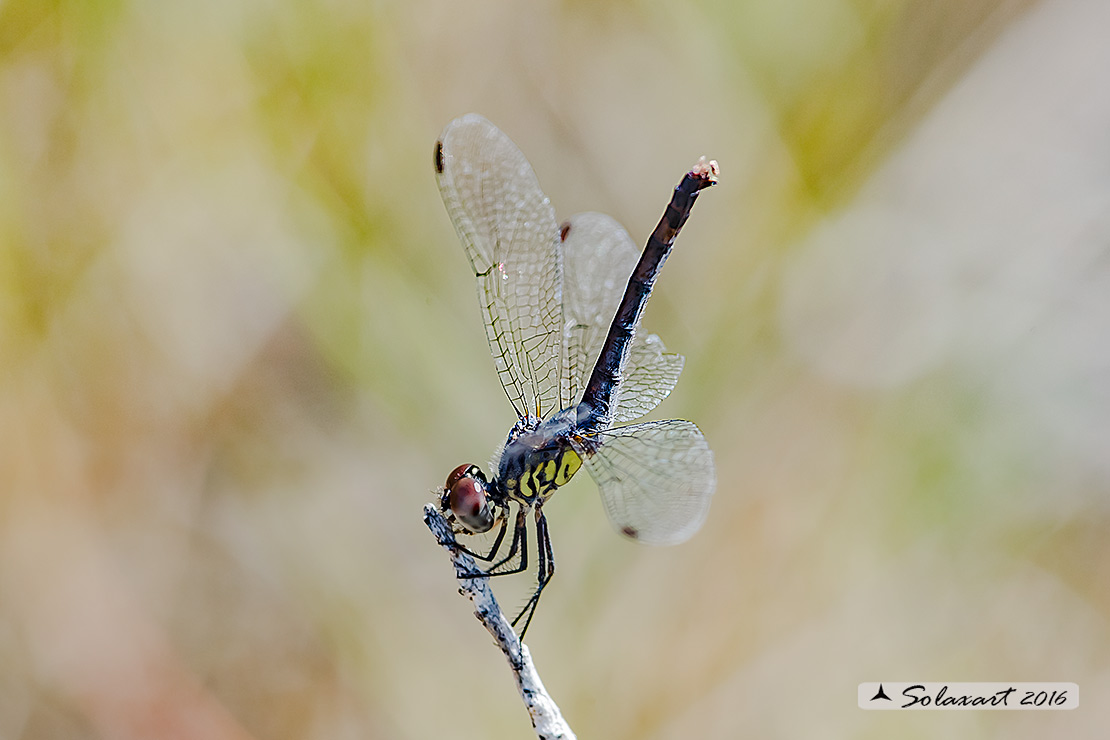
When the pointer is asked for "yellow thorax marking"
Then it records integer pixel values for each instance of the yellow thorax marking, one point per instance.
(544, 478)
(569, 463)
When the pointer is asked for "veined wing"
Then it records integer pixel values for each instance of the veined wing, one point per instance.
(598, 258)
(656, 479)
(508, 228)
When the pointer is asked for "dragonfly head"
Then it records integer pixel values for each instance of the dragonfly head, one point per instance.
(467, 496)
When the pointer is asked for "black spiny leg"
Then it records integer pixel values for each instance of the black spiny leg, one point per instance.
(545, 571)
(496, 544)
(519, 543)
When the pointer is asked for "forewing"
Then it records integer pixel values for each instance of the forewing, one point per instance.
(598, 259)
(656, 479)
(508, 229)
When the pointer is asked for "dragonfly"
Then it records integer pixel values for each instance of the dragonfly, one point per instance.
(572, 359)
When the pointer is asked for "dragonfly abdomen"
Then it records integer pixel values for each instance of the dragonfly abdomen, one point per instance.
(597, 399)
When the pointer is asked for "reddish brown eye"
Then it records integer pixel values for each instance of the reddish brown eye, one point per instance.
(459, 472)
(468, 499)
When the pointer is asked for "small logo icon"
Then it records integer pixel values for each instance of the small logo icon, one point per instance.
(880, 694)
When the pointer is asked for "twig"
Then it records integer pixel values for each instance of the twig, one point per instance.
(546, 718)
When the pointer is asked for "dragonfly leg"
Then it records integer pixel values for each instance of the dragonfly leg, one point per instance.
(545, 570)
(496, 544)
(519, 544)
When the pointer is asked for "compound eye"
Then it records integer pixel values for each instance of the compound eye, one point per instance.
(469, 502)
(463, 470)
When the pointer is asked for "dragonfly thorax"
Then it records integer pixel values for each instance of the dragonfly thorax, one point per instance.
(538, 458)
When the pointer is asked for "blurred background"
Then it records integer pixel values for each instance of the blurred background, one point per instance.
(239, 349)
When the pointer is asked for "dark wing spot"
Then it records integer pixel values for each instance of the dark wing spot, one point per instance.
(439, 157)
(630, 532)
(564, 230)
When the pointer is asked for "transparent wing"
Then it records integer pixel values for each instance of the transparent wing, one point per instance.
(649, 377)
(598, 258)
(508, 229)
(656, 479)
